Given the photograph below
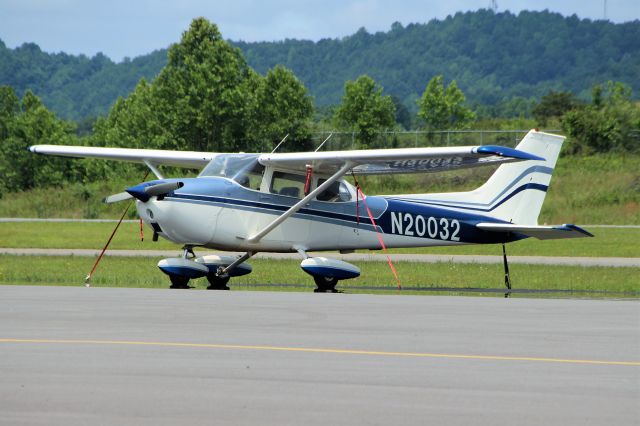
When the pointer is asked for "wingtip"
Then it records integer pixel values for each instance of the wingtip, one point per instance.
(504, 151)
(579, 229)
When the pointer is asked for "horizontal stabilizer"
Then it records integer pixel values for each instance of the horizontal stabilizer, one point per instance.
(539, 232)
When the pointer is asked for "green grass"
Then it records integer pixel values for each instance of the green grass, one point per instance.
(603, 189)
(74, 201)
(80, 235)
(609, 242)
(143, 273)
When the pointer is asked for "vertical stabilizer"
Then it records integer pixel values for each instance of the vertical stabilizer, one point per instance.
(515, 191)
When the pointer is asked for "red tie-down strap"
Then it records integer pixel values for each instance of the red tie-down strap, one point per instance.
(104, 249)
(375, 227)
(307, 181)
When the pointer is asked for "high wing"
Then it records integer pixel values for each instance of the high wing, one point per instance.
(403, 160)
(375, 161)
(187, 159)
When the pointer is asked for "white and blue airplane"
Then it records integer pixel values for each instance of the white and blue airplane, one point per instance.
(301, 202)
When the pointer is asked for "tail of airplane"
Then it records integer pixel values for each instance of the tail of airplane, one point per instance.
(515, 192)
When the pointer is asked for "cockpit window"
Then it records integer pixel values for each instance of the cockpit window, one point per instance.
(243, 168)
(289, 184)
(337, 191)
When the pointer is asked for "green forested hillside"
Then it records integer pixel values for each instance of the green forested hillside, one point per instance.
(501, 60)
(493, 57)
(74, 87)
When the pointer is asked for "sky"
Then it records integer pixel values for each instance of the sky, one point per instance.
(130, 28)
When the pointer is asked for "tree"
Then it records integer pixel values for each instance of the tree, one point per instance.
(554, 105)
(201, 95)
(208, 99)
(285, 107)
(442, 109)
(403, 117)
(9, 108)
(610, 122)
(365, 110)
(134, 123)
(27, 124)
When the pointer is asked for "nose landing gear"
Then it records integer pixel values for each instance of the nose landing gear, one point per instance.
(181, 270)
(178, 282)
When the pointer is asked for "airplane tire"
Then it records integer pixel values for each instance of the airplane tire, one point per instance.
(325, 284)
(179, 282)
(217, 283)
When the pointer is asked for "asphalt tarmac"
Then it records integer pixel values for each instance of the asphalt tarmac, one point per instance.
(75, 355)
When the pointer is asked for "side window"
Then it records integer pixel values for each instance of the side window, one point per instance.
(251, 178)
(337, 191)
(288, 184)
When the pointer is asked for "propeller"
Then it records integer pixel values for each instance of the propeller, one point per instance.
(121, 196)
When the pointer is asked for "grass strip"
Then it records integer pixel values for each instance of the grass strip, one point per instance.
(608, 242)
(286, 275)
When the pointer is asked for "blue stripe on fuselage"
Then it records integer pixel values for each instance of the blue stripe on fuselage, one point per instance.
(450, 225)
(453, 204)
(438, 223)
(386, 209)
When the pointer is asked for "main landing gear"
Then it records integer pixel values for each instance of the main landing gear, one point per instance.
(217, 283)
(325, 284)
(217, 269)
(225, 269)
(327, 272)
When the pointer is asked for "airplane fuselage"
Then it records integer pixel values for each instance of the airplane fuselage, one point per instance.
(221, 214)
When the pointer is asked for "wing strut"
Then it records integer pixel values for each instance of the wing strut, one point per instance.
(153, 168)
(284, 216)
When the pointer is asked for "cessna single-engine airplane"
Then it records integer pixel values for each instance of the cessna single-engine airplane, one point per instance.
(300, 202)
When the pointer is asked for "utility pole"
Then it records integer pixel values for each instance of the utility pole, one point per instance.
(494, 5)
(605, 10)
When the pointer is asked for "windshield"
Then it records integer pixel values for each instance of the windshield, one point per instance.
(243, 168)
(229, 165)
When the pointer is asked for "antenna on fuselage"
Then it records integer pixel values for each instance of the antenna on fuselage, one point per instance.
(281, 142)
(323, 142)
